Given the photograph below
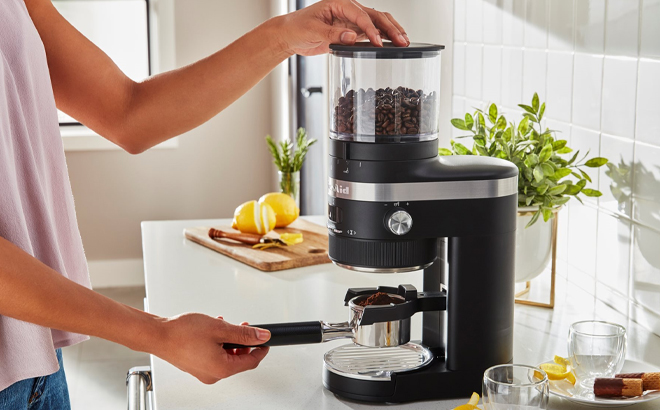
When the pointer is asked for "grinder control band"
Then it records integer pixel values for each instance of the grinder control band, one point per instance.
(422, 191)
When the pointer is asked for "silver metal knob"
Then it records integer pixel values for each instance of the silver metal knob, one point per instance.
(400, 222)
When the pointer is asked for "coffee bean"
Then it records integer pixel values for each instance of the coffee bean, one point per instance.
(385, 112)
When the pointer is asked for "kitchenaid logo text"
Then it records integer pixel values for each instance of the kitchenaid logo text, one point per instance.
(339, 189)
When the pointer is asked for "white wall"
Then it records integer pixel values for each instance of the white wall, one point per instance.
(597, 65)
(215, 167)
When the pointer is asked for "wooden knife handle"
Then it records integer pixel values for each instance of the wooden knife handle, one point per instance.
(246, 238)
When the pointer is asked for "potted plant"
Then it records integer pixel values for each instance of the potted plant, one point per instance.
(550, 174)
(289, 161)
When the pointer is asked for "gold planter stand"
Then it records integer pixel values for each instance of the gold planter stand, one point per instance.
(553, 273)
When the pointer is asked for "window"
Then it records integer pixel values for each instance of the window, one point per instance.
(118, 27)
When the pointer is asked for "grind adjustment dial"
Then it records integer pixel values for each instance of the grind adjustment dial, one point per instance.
(400, 222)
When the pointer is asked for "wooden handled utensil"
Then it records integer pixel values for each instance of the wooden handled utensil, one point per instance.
(246, 238)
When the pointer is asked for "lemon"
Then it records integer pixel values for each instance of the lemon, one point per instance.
(291, 238)
(471, 405)
(570, 377)
(562, 361)
(253, 217)
(555, 371)
(284, 206)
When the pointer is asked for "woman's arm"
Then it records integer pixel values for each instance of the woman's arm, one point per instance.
(33, 292)
(136, 116)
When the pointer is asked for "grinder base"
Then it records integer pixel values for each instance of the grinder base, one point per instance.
(432, 381)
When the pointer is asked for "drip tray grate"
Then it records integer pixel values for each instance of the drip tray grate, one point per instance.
(374, 363)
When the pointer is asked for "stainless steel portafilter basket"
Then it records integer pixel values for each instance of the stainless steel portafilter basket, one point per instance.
(380, 334)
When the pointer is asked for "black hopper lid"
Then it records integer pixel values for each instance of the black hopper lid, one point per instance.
(365, 49)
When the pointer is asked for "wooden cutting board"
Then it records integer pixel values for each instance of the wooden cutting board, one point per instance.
(312, 251)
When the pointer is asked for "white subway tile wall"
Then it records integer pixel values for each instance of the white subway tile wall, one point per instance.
(596, 63)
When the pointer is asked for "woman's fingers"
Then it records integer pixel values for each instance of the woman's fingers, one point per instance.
(388, 26)
(350, 11)
(245, 335)
(244, 350)
(244, 362)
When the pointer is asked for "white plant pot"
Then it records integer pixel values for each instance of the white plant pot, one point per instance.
(533, 245)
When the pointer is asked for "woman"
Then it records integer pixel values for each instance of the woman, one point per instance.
(45, 300)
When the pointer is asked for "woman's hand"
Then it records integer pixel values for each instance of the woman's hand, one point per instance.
(193, 343)
(311, 30)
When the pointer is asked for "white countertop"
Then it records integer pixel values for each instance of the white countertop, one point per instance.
(182, 276)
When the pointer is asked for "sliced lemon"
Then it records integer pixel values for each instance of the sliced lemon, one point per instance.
(471, 405)
(474, 399)
(252, 217)
(562, 361)
(291, 238)
(571, 378)
(284, 206)
(555, 371)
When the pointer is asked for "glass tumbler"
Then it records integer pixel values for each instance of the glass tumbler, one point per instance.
(513, 386)
(596, 349)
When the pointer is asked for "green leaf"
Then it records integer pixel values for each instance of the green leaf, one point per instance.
(548, 170)
(535, 217)
(527, 108)
(523, 126)
(542, 189)
(507, 134)
(547, 214)
(481, 150)
(480, 117)
(479, 140)
(560, 201)
(444, 151)
(541, 111)
(596, 162)
(582, 183)
(572, 190)
(535, 103)
(591, 192)
(564, 150)
(529, 199)
(460, 149)
(469, 121)
(492, 113)
(501, 123)
(562, 172)
(531, 160)
(559, 144)
(530, 117)
(459, 123)
(546, 153)
(556, 190)
(527, 172)
(538, 174)
(586, 176)
(572, 160)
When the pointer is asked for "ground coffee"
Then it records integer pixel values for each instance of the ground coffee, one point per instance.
(379, 298)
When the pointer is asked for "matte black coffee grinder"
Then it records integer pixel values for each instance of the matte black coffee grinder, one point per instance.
(394, 206)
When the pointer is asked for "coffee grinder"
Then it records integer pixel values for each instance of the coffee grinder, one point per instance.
(394, 205)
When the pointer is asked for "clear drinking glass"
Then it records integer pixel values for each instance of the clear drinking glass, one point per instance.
(514, 386)
(596, 349)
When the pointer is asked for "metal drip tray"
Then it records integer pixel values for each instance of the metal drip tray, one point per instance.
(376, 364)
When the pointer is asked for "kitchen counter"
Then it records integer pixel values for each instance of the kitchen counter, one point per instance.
(182, 276)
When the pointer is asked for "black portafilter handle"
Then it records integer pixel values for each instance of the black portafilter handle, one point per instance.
(284, 334)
